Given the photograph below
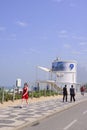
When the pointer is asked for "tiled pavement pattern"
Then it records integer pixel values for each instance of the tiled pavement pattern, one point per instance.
(13, 117)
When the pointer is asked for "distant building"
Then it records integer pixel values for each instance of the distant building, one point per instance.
(18, 83)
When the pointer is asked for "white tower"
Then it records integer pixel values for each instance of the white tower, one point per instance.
(66, 72)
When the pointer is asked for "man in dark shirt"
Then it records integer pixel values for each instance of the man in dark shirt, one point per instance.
(72, 93)
(65, 93)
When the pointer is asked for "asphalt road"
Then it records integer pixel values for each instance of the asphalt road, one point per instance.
(74, 118)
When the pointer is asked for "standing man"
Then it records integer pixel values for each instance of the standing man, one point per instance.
(72, 94)
(65, 93)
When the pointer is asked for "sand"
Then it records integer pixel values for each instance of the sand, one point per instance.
(34, 100)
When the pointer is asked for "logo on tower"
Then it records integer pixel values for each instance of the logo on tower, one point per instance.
(71, 66)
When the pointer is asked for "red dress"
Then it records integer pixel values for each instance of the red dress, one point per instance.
(25, 93)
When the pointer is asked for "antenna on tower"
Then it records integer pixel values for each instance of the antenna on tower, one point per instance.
(58, 59)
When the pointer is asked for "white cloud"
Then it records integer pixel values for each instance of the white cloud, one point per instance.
(34, 51)
(79, 37)
(76, 52)
(22, 24)
(12, 37)
(72, 5)
(80, 52)
(83, 43)
(9, 37)
(69, 2)
(63, 34)
(84, 51)
(30, 51)
(43, 37)
(2, 28)
(58, 1)
(67, 46)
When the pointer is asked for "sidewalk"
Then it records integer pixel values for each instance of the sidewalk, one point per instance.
(14, 117)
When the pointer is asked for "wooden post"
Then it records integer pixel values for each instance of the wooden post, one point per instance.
(13, 93)
(2, 95)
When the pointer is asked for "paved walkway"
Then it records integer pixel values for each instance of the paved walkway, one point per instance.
(14, 117)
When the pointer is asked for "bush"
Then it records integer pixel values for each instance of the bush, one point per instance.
(36, 94)
(18, 96)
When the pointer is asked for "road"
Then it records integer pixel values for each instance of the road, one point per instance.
(74, 118)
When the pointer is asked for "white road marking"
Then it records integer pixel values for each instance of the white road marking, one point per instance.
(85, 112)
(69, 125)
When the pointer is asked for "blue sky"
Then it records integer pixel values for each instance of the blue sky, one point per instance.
(35, 32)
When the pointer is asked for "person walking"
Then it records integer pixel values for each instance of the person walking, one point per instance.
(25, 95)
(72, 94)
(82, 89)
(65, 93)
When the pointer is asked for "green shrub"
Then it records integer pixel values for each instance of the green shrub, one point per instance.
(36, 94)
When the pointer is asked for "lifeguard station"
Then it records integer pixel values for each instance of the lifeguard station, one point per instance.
(62, 72)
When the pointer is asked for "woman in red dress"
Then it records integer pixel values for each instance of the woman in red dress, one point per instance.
(25, 93)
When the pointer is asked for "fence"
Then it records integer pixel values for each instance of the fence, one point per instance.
(16, 94)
